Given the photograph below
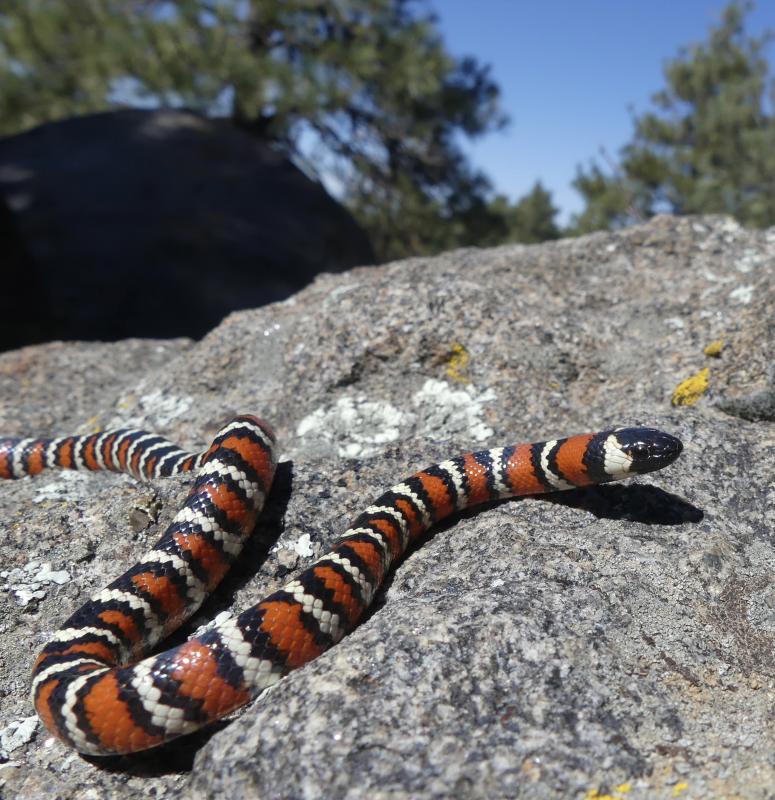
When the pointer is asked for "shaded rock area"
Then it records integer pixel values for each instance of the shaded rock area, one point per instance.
(156, 223)
(616, 642)
(23, 302)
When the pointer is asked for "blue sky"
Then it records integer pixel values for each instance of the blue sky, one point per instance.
(569, 71)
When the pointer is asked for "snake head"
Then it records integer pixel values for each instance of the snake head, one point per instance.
(646, 449)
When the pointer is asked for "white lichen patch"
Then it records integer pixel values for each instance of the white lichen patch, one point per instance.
(67, 486)
(27, 584)
(46, 575)
(712, 277)
(748, 260)
(360, 427)
(303, 546)
(445, 411)
(156, 409)
(17, 733)
(338, 291)
(743, 294)
(730, 225)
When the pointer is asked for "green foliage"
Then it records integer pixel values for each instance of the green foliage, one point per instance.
(531, 219)
(361, 91)
(709, 145)
(63, 59)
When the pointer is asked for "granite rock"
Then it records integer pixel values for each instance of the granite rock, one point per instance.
(615, 642)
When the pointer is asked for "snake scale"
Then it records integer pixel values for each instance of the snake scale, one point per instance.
(96, 687)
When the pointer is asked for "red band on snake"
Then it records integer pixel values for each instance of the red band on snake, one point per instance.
(94, 685)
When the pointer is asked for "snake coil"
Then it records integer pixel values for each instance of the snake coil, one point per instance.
(94, 685)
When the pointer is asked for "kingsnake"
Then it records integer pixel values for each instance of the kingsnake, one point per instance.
(94, 685)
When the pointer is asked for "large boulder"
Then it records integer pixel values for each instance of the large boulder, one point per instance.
(613, 642)
(159, 223)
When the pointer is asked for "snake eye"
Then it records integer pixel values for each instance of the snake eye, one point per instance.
(639, 450)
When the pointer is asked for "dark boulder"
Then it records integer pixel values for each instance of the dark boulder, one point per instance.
(158, 223)
(23, 303)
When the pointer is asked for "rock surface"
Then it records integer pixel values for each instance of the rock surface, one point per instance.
(157, 223)
(616, 642)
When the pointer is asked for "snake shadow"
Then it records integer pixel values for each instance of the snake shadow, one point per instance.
(637, 502)
(642, 503)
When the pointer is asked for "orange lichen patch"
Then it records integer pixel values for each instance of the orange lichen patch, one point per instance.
(35, 458)
(42, 706)
(520, 472)
(438, 493)
(163, 590)
(407, 509)
(570, 461)
(232, 505)
(370, 554)
(89, 457)
(209, 556)
(122, 621)
(66, 453)
(110, 720)
(283, 623)
(196, 669)
(389, 531)
(476, 475)
(343, 593)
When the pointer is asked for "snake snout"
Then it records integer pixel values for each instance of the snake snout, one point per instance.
(649, 449)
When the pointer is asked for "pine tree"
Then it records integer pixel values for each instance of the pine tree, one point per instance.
(532, 218)
(709, 145)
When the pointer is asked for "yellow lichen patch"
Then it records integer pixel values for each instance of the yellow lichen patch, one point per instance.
(680, 788)
(457, 363)
(93, 424)
(619, 793)
(714, 348)
(688, 392)
(127, 401)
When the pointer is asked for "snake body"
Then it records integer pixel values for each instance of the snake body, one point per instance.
(94, 685)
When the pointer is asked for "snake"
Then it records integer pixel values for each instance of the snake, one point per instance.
(100, 686)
